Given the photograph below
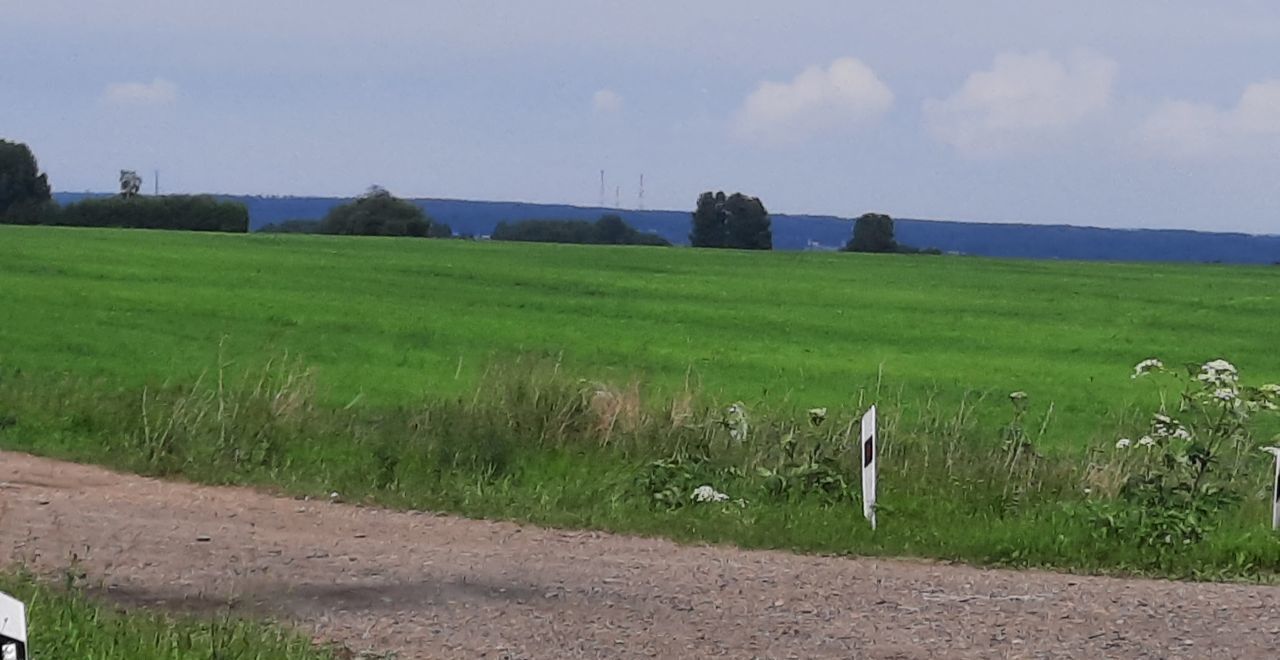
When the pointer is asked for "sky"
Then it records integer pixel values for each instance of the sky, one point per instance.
(1144, 113)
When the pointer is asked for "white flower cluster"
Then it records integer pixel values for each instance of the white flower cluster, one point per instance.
(1219, 373)
(1145, 441)
(708, 494)
(817, 416)
(1147, 366)
(1018, 396)
(1163, 427)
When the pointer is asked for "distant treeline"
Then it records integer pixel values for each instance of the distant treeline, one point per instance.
(608, 230)
(183, 212)
(375, 213)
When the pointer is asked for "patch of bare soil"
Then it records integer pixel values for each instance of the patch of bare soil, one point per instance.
(430, 586)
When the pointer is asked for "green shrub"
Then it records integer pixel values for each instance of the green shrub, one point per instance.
(184, 212)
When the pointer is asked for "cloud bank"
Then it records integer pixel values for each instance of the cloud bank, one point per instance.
(842, 96)
(1187, 130)
(1020, 101)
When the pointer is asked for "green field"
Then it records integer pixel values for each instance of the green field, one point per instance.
(448, 375)
(391, 319)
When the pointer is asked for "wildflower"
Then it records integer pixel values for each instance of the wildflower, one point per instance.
(1182, 434)
(1147, 441)
(1218, 372)
(1270, 389)
(1164, 426)
(817, 416)
(708, 494)
(1018, 396)
(1123, 443)
(1224, 394)
(1147, 366)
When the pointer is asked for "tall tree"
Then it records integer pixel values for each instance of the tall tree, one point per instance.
(709, 228)
(22, 186)
(872, 232)
(747, 223)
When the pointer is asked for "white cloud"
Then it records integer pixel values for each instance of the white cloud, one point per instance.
(1186, 129)
(1022, 100)
(606, 101)
(156, 92)
(840, 97)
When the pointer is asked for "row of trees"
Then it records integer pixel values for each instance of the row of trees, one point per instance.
(26, 198)
(720, 221)
(608, 230)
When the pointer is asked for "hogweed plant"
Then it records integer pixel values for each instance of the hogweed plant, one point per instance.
(1184, 469)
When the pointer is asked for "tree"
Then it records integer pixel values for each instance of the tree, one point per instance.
(872, 232)
(709, 222)
(23, 188)
(747, 223)
(376, 213)
(737, 221)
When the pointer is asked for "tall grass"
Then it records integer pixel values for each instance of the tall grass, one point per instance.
(532, 443)
(64, 623)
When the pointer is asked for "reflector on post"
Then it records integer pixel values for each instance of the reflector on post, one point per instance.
(13, 628)
(870, 452)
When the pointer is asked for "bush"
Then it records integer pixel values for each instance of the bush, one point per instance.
(377, 213)
(608, 230)
(184, 212)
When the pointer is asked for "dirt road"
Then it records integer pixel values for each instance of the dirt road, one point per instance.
(434, 586)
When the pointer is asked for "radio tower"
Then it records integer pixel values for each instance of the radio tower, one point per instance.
(601, 188)
(640, 198)
(617, 197)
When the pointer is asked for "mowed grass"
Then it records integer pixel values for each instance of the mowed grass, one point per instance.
(385, 321)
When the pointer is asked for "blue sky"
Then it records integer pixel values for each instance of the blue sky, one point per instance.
(1133, 114)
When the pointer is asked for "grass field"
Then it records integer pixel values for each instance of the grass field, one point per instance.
(389, 320)
(445, 376)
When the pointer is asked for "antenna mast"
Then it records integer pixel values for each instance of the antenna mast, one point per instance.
(640, 201)
(602, 188)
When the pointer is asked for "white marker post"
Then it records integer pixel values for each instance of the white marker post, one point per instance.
(869, 457)
(1275, 489)
(13, 628)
